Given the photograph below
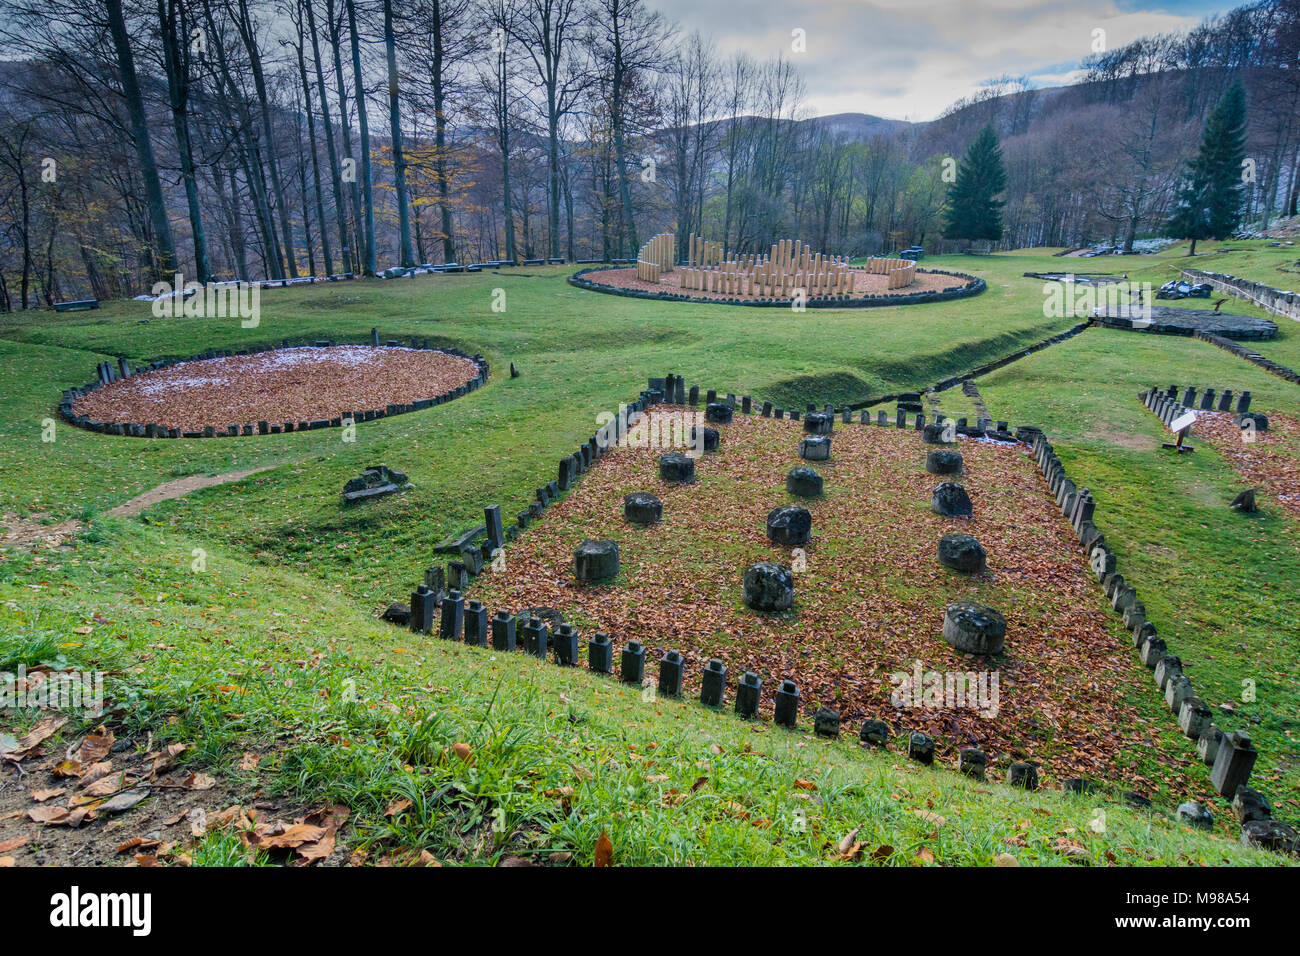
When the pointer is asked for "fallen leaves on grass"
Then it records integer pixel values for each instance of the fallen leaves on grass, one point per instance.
(848, 850)
(604, 855)
(38, 734)
(94, 747)
(870, 603)
(295, 385)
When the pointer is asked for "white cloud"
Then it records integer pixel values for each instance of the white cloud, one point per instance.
(909, 59)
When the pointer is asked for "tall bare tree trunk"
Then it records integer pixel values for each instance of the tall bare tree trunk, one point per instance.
(327, 254)
(345, 132)
(174, 27)
(339, 213)
(165, 261)
(259, 85)
(440, 134)
(395, 121)
(367, 197)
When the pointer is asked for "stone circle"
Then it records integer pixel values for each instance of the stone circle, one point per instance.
(974, 628)
(709, 437)
(676, 468)
(943, 461)
(789, 525)
(933, 434)
(595, 561)
(951, 501)
(769, 587)
(818, 423)
(641, 507)
(803, 482)
(815, 448)
(962, 552)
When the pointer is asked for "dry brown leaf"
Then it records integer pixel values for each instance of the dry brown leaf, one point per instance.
(199, 781)
(14, 844)
(41, 732)
(96, 746)
(604, 855)
(50, 816)
(106, 786)
(94, 772)
(138, 843)
(291, 837)
(250, 761)
(81, 814)
(40, 796)
(124, 801)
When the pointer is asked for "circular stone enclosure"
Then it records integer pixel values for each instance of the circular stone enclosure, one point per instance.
(930, 285)
(289, 388)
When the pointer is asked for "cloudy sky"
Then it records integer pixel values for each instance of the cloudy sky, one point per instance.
(908, 59)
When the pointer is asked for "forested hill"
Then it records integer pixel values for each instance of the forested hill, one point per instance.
(240, 153)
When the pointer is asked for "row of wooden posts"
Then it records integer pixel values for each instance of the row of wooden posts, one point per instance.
(656, 257)
(789, 265)
(901, 272)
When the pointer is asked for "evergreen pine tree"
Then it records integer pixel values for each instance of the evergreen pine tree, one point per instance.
(1209, 200)
(973, 212)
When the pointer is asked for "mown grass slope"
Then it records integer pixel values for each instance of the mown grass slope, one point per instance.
(292, 575)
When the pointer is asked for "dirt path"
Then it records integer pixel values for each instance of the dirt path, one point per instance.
(176, 489)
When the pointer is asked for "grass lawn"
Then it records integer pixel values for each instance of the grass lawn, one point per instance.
(341, 707)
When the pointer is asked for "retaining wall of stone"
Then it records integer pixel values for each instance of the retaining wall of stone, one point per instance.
(1250, 355)
(1277, 301)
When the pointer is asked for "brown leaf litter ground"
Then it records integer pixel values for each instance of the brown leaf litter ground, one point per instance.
(1271, 462)
(103, 801)
(285, 385)
(871, 601)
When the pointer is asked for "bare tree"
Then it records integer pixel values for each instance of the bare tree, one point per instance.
(548, 30)
(162, 230)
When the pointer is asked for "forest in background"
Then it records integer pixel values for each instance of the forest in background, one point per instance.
(283, 138)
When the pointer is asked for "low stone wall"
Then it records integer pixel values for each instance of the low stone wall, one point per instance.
(973, 285)
(1277, 301)
(1230, 756)
(1250, 355)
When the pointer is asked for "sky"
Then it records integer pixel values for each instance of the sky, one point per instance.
(909, 59)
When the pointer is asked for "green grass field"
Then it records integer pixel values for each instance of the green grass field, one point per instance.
(345, 708)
